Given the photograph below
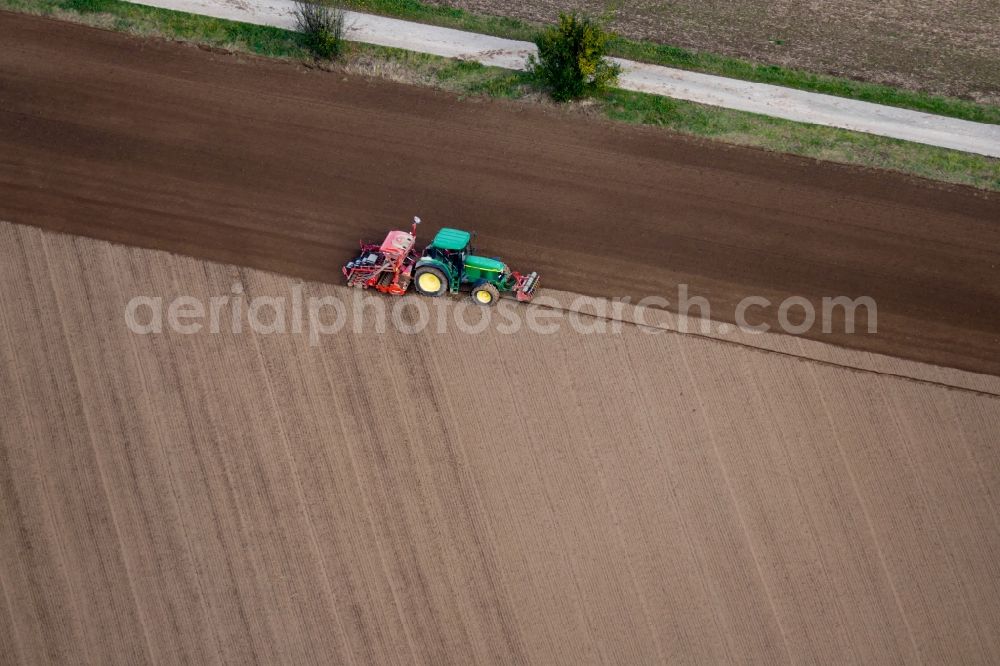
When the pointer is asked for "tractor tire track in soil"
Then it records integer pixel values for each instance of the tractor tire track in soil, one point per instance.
(272, 166)
(456, 498)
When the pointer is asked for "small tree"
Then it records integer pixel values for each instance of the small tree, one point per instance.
(321, 26)
(570, 60)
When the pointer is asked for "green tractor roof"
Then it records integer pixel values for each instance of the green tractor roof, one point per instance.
(451, 239)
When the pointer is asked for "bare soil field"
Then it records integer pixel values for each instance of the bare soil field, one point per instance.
(945, 47)
(273, 166)
(454, 498)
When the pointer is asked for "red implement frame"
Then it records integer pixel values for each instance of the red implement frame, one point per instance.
(525, 285)
(387, 267)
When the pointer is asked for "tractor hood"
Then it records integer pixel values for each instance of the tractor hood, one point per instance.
(485, 264)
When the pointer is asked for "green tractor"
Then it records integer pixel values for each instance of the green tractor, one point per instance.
(448, 264)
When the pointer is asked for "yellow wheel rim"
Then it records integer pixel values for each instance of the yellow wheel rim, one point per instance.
(429, 282)
(483, 296)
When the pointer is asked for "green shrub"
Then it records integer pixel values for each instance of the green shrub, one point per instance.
(570, 61)
(321, 27)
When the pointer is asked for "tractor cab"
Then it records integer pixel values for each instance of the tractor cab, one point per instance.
(448, 251)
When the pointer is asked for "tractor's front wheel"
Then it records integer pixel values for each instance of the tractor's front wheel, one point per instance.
(430, 281)
(485, 294)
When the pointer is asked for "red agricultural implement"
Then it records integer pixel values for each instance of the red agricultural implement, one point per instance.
(387, 267)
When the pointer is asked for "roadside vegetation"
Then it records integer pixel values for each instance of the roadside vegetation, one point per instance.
(470, 79)
(571, 61)
(321, 27)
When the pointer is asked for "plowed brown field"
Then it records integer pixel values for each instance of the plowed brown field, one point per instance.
(268, 165)
(459, 498)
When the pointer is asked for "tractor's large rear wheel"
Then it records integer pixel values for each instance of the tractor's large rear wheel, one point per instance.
(430, 281)
(485, 294)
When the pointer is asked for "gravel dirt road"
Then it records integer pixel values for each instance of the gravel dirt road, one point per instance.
(277, 167)
(455, 498)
